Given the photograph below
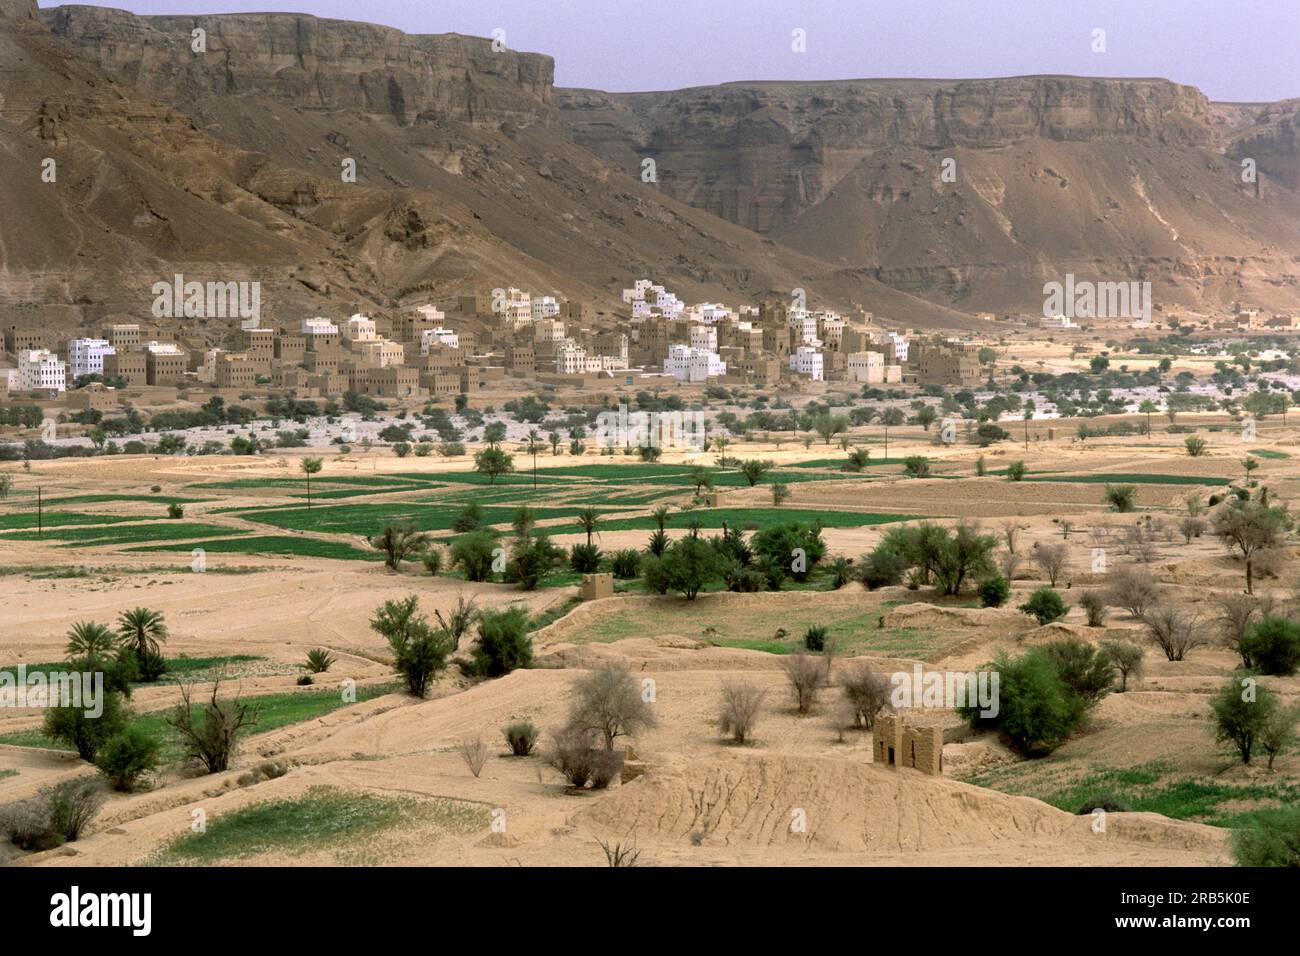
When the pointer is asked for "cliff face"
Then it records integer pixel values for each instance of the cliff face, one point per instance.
(314, 63)
(760, 153)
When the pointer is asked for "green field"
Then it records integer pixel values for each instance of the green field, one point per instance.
(63, 519)
(1131, 479)
(370, 519)
(178, 668)
(124, 534)
(273, 712)
(745, 518)
(275, 544)
(323, 817)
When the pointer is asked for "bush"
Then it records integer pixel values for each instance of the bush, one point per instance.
(55, 815)
(1102, 801)
(607, 703)
(866, 693)
(1036, 711)
(1016, 471)
(1086, 671)
(305, 680)
(469, 519)
(625, 563)
(814, 639)
(210, 733)
(1094, 606)
(474, 752)
(1127, 659)
(1120, 497)
(916, 466)
(503, 644)
(584, 558)
(432, 560)
(741, 702)
(1240, 717)
(473, 553)
(605, 766)
(807, 676)
(1133, 590)
(571, 753)
(1273, 646)
(319, 660)
(882, 569)
(521, 736)
(687, 566)
(175, 510)
(1046, 605)
(420, 651)
(1269, 837)
(1173, 630)
(127, 756)
(994, 592)
(1196, 447)
(532, 559)
(87, 735)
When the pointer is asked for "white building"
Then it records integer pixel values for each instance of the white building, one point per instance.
(570, 359)
(866, 367)
(807, 361)
(319, 326)
(900, 347)
(1057, 322)
(431, 313)
(544, 307)
(40, 369)
(704, 337)
(805, 324)
(86, 356)
(360, 328)
(688, 364)
(440, 336)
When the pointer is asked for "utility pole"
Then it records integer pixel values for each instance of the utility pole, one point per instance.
(39, 512)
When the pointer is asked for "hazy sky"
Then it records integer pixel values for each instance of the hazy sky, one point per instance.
(1232, 49)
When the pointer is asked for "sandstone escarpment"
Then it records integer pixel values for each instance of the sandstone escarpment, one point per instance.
(314, 63)
(760, 153)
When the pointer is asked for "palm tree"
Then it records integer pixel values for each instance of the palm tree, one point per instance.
(89, 639)
(141, 630)
(534, 446)
(587, 520)
(310, 466)
(660, 516)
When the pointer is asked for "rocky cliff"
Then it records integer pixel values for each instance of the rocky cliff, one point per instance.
(313, 63)
(760, 153)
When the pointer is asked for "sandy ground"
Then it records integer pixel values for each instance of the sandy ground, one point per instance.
(699, 800)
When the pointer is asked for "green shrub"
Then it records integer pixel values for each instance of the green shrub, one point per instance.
(814, 639)
(584, 558)
(87, 735)
(882, 569)
(521, 736)
(916, 466)
(1102, 801)
(625, 563)
(1273, 646)
(994, 592)
(305, 680)
(1242, 714)
(127, 756)
(432, 559)
(469, 519)
(1270, 837)
(175, 510)
(1094, 606)
(532, 559)
(319, 660)
(1036, 711)
(1016, 471)
(1086, 671)
(1046, 605)
(473, 554)
(420, 651)
(1120, 497)
(503, 644)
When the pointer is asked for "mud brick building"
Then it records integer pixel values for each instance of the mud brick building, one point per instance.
(899, 744)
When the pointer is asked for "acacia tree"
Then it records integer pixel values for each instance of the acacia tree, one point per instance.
(608, 703)
(1249, 527)
(399, 542)
(494, 462)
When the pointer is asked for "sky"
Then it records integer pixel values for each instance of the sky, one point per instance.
(1235, 50)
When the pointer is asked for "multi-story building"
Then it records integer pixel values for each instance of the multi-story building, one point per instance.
(130, 367)
(86, 356)
(164, 363)
(320, 334)
(806, 360)
(867, 367)
(693, 365)
(234, 370)
(40, 370)
(360, 328)
(25, 338)
(937, 362)
(440, 336)
(124, 337)
(290, 349)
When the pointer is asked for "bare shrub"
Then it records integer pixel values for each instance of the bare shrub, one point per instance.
(1009, 564)
(1127, 658)
(1094, 606)
(1101, 535)
(211, 732)
(474, 753)
(521, 735)
(1132, 589)
(866, 691)
(1237, 614)
(741, 702)
(1173, 630)
(1140, 542)
(572, 754)
(54, 816)
(807, 676)
(608, 703)
(1011, 534)
(1052, 560)
(620, 855)
(1191, 527)
(605, 766)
